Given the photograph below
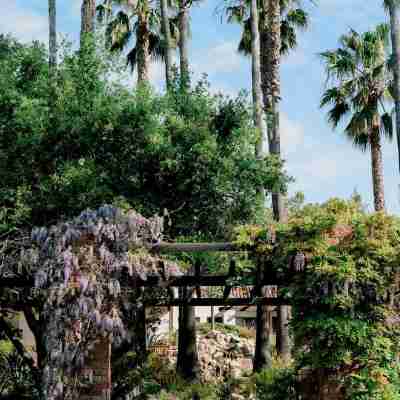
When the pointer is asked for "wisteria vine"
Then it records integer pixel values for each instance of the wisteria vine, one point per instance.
(80, 266)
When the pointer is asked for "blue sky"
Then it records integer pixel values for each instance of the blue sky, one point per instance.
(323, 162)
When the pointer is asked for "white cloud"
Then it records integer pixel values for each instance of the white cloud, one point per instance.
(23, 23)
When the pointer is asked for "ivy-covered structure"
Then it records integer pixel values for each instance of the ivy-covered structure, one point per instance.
(341, 268)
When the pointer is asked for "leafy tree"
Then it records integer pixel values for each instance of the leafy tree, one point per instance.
(358, 90)
(192, 153)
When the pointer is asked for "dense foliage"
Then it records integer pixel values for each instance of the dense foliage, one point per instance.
(341, 269)
(189, 152)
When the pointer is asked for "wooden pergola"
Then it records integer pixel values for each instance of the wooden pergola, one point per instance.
(193, 283)
(187, 358)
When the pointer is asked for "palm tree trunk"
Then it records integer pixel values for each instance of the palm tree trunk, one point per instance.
(52, 61)
(88, 13)
(259, 121)
(183, 22)
(271, 49)
(167, 38)
(394, 12)
(377, 171)
(143, 57)
(52, 39)
(262, 354)
(262, 357)
(272, 76)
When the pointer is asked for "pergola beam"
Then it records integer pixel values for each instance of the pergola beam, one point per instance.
(166, 247)
(207, 301)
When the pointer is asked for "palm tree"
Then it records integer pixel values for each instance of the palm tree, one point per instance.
(137, 19)
(293, 18)
(88, 13)
(393, 7)
(358, 81)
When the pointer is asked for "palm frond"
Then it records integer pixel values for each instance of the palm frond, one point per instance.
(156, 47)
(386, 125)
(132, 58)
(338, 112)
(359, 83)
(357, 130)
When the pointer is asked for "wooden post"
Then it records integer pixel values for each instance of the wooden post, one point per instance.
(98, 369)
(171, 322)
(141, 343)
(187, 360)
(283, 345)
(262, 356)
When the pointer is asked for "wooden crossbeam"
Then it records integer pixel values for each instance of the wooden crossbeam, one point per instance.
(193, 247)
(155, 281)
(204, 301)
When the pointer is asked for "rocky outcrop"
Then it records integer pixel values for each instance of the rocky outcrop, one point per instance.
(223, 356)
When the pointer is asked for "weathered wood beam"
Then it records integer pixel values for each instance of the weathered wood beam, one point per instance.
(208, 301)
(155, 281)
(16, 282)
(231, 274)
(193, 247)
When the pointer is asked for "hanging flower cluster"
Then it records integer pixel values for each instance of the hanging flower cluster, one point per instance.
(84, 268)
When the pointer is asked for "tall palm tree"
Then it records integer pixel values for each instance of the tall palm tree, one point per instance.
(358, 80)
(125, 19)
(393, 7)
(88, 13)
